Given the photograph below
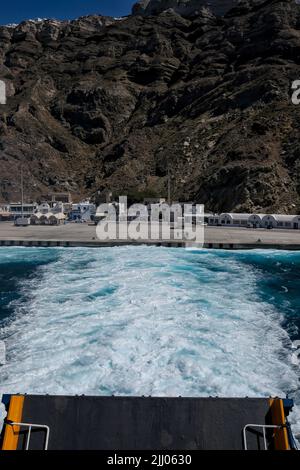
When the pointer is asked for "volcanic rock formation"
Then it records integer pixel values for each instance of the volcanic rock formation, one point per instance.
(102, 104)
(182, 7)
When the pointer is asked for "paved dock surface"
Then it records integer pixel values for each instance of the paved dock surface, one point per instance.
(123, 423)
(85, 235)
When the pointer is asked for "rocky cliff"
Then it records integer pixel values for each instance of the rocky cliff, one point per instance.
(185, 8)
(98, 104)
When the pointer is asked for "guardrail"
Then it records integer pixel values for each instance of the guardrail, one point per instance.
(30, 426)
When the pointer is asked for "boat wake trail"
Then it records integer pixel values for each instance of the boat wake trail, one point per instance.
(153, 321)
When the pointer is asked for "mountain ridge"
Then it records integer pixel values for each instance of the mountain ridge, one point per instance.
(98, 104)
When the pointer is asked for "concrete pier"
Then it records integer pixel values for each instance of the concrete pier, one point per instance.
(84, 235)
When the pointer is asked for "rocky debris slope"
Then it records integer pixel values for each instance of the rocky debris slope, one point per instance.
(98, 104)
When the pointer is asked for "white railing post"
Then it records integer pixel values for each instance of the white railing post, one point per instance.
(260, 426)
(30, 426)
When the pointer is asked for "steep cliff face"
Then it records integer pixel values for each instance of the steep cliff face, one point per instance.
(98, 104)
(183, 7)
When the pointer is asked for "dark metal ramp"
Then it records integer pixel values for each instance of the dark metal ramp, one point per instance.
(124, 423)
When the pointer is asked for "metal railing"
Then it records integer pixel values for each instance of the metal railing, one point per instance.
(260, 426)
(30, 426)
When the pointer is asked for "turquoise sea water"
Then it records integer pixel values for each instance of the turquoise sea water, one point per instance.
(150, 321)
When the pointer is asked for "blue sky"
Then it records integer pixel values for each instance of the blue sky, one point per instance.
(15, 11)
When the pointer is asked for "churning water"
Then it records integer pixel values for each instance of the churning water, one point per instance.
(150, 321)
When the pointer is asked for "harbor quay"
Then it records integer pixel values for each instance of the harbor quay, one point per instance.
(85, 235)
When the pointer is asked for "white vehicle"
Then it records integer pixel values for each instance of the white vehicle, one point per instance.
(22, 222)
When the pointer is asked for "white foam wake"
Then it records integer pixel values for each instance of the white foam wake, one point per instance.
(147, 321)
